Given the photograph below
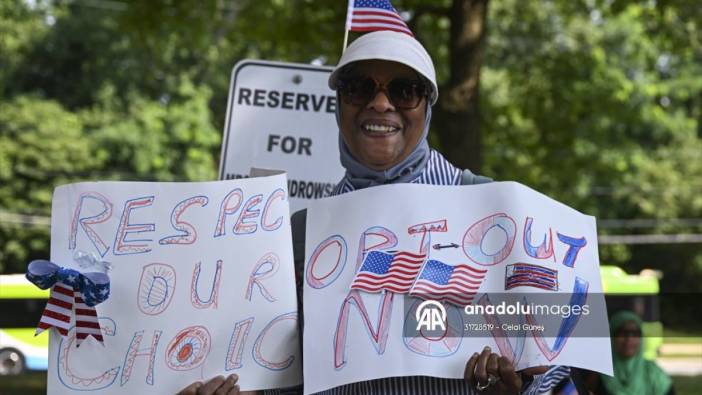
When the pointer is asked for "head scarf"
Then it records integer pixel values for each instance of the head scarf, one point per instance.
(635, 375)
(361, 176)
(401, 48)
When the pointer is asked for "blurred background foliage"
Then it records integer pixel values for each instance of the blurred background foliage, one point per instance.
(597, 103)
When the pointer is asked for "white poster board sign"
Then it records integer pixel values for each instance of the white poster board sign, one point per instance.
(374, 255)
(281, 116)
(202, 284)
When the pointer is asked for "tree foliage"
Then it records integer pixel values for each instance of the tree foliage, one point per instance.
(599, 107)
(41, 146)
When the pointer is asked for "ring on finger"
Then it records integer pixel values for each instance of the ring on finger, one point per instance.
(492, 379)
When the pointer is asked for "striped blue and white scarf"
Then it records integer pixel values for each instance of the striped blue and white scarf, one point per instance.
(436, 171)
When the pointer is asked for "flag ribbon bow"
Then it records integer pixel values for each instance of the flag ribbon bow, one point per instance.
(71, 292)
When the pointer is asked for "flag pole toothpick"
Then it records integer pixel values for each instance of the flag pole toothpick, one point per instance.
(346, 40)
(347, 24)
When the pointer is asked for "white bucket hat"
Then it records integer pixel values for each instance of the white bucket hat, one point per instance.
(393, 46)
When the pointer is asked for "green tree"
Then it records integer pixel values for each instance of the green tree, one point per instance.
(20, 29)
(41, 146)
(90, 107)
(168, 140)
(599, 105)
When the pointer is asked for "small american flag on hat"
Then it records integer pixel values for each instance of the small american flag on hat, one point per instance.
(373, 15)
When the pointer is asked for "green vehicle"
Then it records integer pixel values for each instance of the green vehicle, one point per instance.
(21, 303)
(638, 293)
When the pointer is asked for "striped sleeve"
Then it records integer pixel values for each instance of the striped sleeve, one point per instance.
(342, 187)
(422, 385)
(439, 171)
(545, 382)
(409, 385)
(284, 391)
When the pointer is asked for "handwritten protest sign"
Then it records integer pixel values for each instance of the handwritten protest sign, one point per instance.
(202, 283)
(511, 268)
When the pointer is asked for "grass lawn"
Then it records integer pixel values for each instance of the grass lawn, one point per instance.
(687, 385)
(29, 383)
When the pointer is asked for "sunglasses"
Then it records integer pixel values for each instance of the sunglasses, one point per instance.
(403, 93)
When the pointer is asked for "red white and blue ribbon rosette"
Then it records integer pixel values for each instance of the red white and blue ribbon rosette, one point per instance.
(73, 294)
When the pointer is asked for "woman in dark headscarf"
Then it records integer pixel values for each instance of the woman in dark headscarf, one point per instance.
(633, 374)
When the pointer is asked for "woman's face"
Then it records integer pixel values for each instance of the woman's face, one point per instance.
(627, 340)
(379, 134)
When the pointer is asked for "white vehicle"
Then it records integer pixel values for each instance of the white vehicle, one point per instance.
(21, 303)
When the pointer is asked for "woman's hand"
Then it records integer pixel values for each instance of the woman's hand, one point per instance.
(216, 386)
(490, 373)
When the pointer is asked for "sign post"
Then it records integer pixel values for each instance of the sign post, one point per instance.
(281, 116)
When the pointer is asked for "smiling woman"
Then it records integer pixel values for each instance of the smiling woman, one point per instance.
(386, 84)
(382, 116)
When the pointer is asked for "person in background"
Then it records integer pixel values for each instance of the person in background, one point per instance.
(386, 84)
(633, 374)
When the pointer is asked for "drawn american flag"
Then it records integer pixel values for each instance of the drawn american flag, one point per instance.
(527, 275)
(391, 270)
(372, 15)
(453, 284)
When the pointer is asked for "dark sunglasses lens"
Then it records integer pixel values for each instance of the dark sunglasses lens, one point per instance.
(405, 93)
(358, 91)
